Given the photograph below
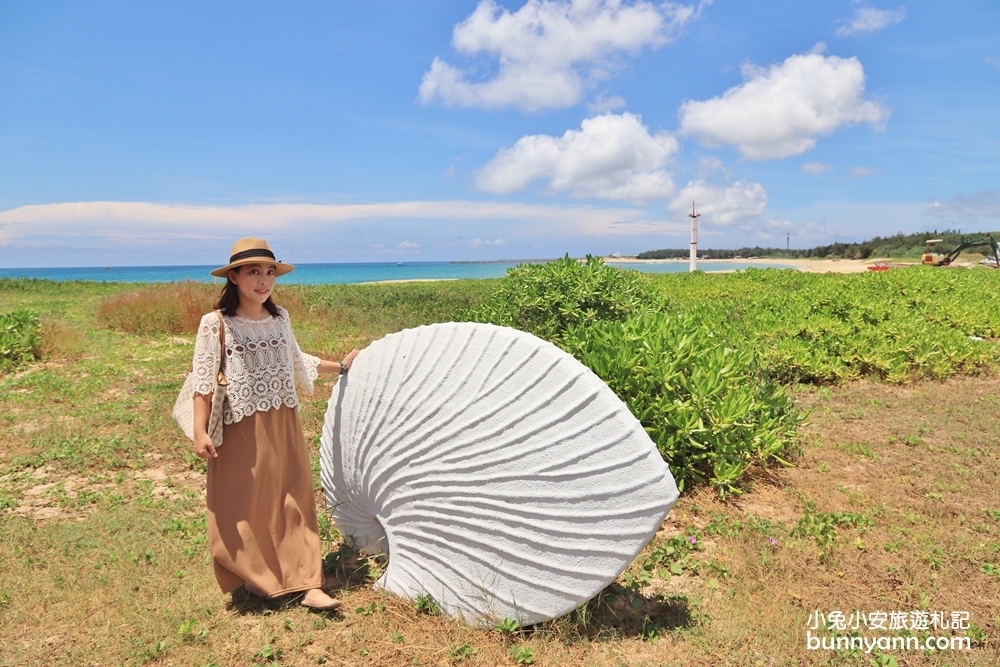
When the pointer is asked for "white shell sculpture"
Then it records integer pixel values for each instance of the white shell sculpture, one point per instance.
(500, 474)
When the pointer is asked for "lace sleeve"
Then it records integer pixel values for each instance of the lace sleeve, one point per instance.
(206, 354)
(306, 365)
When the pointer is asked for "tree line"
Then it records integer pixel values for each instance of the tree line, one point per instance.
(898, 246)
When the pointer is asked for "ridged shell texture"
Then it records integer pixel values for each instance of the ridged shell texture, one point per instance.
(500, 474)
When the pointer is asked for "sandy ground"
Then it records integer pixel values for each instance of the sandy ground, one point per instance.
(408, 280)
(807, 265)
(833, 265)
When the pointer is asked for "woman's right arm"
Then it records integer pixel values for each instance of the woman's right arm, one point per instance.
(206, 367)
(203, 446)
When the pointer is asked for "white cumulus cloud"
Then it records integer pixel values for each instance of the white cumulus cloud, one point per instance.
(611, 157)
(548, 51)
(869, 19)
(117, 232)
(721, 204)
(780, 110)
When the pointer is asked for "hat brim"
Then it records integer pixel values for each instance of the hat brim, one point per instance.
(280, 267)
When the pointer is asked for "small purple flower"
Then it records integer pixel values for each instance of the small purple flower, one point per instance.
(772, 541)
(131, 391)
(693, 540)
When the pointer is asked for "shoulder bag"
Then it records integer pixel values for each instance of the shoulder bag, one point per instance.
(184, 406)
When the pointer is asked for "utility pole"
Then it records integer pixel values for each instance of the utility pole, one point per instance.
(788, 241)
(694, 239)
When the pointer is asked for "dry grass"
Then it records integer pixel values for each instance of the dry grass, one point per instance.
(114, 576)
(60, 340)
(103, 558)
(329, 320)
(174, 308)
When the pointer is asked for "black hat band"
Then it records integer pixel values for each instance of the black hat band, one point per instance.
(254, 252)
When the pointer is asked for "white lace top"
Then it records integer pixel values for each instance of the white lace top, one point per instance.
(263, 363)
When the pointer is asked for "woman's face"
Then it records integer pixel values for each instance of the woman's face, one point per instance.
(255, 282)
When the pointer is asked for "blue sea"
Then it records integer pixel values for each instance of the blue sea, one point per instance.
(311, 274)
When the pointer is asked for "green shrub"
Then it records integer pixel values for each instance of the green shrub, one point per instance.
(708, 411)
(894, 326)
(547, 299)
(19, 338)
(701, 402)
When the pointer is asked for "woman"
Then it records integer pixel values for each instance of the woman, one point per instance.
(262, 527)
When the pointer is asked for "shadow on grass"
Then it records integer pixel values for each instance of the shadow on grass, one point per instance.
(346, 570)
(343, 570)
(246, 603)
(617, 612)
(622, 613)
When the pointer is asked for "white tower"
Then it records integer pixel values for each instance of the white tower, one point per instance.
(694, 239)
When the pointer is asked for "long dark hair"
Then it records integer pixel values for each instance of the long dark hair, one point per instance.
(229, 301)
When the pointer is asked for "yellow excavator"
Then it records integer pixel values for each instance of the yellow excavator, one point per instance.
(934, 259)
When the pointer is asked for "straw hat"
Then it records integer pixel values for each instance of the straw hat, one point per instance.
(252, 251)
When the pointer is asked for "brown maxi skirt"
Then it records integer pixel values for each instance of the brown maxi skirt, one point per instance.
(262, 527)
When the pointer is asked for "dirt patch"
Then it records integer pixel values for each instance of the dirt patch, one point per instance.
(34, 368)
(47, 493)
(771, 502)
(930, 447)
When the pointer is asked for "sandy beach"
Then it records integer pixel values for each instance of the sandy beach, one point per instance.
(807, 265)
(406, 280)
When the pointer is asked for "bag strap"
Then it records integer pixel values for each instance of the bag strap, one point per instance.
(222, 345)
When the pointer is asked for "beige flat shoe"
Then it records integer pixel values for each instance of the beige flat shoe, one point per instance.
(320, 601)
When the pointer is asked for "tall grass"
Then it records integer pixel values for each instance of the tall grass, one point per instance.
(163, 308)
(59, 339)
(360, 312)
(75, 300)
(385, 307)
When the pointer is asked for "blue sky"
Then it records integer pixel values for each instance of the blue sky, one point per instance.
(158, 133)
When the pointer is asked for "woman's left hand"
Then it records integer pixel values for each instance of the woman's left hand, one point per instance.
(349, 359)
(337, 367)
